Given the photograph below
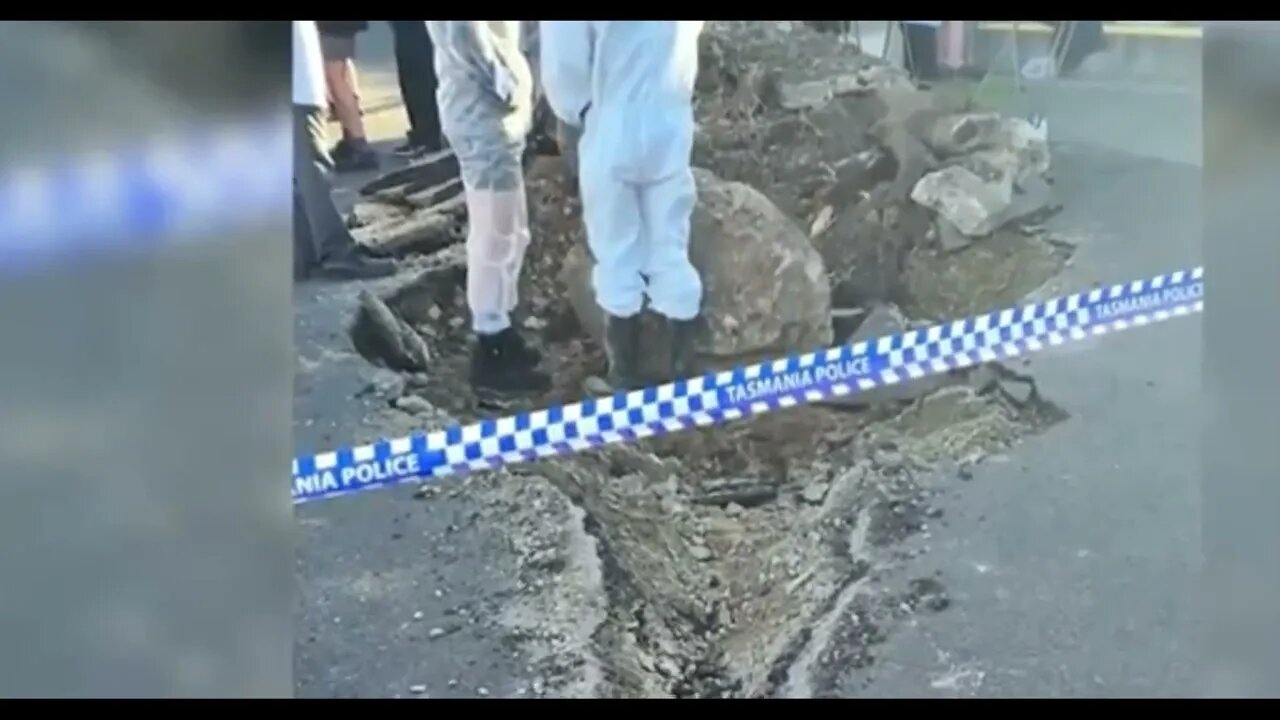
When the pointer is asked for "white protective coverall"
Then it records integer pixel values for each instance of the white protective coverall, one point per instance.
(485, 97)
(629, 85)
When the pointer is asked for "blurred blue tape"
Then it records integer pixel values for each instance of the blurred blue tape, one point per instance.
(749, 390)
(170, 191)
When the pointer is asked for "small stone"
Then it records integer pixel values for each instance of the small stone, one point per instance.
(418, 689)
(434, 312)
(453, 682)
(596, 386)
(889, 459)
(482, 691)
(417, 614)
(435, 632)
(456, 322)
(815, 493)
(804, 95)
(413, 405)
(701, 553)
(534, 323)
(733, 509)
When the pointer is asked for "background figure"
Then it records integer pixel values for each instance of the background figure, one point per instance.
(629, 85)
(416, 72)
(920, 44)
(338, 46)
(321, 240)
(1077, 40)
(485, 97)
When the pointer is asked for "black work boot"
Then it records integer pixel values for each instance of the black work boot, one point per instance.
(680, 333)
(520, 351)
(503, 363)
(353, 264)
(622, 345)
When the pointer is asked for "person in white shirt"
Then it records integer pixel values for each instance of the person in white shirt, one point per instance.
(322, 242)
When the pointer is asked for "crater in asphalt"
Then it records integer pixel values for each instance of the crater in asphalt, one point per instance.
(749, 559)
(755, 558)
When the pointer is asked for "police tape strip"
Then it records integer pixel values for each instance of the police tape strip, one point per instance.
(174, 189)
(720, 397)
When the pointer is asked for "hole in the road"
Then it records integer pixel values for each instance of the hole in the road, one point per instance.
(734, 556)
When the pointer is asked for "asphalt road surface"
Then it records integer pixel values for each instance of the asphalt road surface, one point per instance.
(1070, 563)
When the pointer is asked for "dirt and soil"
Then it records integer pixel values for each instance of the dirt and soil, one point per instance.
(752, 559)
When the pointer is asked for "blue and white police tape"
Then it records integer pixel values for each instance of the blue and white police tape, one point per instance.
(172, 190)
(753, 389)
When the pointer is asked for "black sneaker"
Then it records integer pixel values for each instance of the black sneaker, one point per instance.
(341, 150)
(408, 150)
(501, 363)
(355, 265)
(355, 160)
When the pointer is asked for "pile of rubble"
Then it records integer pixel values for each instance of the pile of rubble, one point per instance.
(832, 191)
(837, 201)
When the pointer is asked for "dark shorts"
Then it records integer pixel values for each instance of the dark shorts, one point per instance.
(338, 47)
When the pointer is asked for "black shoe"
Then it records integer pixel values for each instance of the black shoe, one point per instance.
(681, 334)
(341, 150)
(514, 345)
(622, 345)
(356, 160)
(409, 150)
(500, 363)
(355, 265)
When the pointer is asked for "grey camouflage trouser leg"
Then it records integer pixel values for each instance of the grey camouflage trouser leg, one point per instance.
(315, 217)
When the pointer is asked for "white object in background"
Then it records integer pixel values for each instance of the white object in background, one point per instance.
(1038, 68)
(1039, 125)
(308, 65)
(951, 44)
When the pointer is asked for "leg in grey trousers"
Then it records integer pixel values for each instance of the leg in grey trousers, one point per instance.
(321, 238)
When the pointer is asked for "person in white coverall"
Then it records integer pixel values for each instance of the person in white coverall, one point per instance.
(485, 98)
(628, 86)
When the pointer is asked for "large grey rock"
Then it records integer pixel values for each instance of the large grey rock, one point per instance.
(1029, 143)
(973, 204)
(1005, 186)
(964, 133)
(765, 290)
(1011, 144)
